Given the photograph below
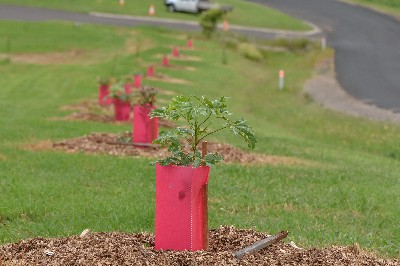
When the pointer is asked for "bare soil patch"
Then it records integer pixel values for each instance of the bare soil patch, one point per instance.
(90, 110)
(117, 248)
(183, 57)
(179, 67)
(73, 56)
(120, 145)
(168, 79)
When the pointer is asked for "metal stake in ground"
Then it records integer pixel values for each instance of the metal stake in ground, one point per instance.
(323, 43)
(261, 244)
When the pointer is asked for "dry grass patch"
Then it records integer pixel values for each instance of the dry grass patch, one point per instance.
(167, 79)
(43, 145)
(74, 56)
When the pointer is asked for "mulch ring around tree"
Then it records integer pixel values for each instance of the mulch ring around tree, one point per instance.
(138, 249)
(90, 110)
(120, 145)
(167, 79)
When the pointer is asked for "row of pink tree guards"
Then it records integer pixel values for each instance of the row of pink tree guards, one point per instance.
(145, 130)
(181, 220)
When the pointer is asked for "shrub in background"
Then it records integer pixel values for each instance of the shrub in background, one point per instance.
(209, 21)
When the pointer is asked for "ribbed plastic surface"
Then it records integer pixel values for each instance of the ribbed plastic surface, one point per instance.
(128, 88)
(103, 94)
(165, 61)
(175, 52)
(137, 81)
(122, 110)
(145, 130)
(179, 207)
(150, 71)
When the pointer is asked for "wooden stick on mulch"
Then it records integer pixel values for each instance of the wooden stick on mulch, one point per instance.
(263, 243)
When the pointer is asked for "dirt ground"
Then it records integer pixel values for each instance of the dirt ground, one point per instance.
(117, 248)
(120, 145)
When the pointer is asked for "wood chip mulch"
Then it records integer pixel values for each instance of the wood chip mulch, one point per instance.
(138, 249)
(90, 110)
(87, 116)
(119, 144)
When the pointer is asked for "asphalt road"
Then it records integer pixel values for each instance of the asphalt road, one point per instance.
(366, 43)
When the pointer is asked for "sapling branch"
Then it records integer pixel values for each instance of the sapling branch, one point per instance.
(195, 116)
(212, 132)
(205, 119)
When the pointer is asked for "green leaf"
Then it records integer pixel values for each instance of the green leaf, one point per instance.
(184, 131)
(199, 113)
(213, 158)
(240, 127)
(159, 112)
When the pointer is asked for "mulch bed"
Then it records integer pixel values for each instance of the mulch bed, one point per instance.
(168, 79)
(138, 249)
(90, 110)
(119, 144)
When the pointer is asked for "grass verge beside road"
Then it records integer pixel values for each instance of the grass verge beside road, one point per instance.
(347, 192)
(244, 13)
(390, 7)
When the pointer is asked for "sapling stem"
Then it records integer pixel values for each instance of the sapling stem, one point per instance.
(195, 142)
(206, 119)
(212, 133)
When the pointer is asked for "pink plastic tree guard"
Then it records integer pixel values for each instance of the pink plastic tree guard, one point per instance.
(175, 52)
(165, 61)
(190, 43)
(150, 71)
(128, 88)
(179, 207)
(122, 110)
(103, 94)
(137, 81)
(145, 129)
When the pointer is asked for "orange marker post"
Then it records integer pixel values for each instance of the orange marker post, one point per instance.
(152, 10)
(121, 2)
(281, 79)
(225, 25)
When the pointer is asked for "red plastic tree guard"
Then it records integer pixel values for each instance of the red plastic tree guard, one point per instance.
(150, 71)
(128, 88)
(122, 110)
(190, 43)
(103, 94)
(137, 81)
(179, 207)
(175, 52)
(145, 129)
(165, 61)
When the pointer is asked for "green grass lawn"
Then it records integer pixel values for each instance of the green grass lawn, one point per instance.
(244, 13)
(348, 191)
(391, 7)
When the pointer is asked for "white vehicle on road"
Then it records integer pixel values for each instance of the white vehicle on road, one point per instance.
(193, 6)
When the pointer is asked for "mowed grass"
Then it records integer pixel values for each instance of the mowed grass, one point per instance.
(391, 7)
(345, 191)
(245, 13)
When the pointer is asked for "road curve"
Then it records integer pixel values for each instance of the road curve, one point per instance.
(22, 13)
(366, 43)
